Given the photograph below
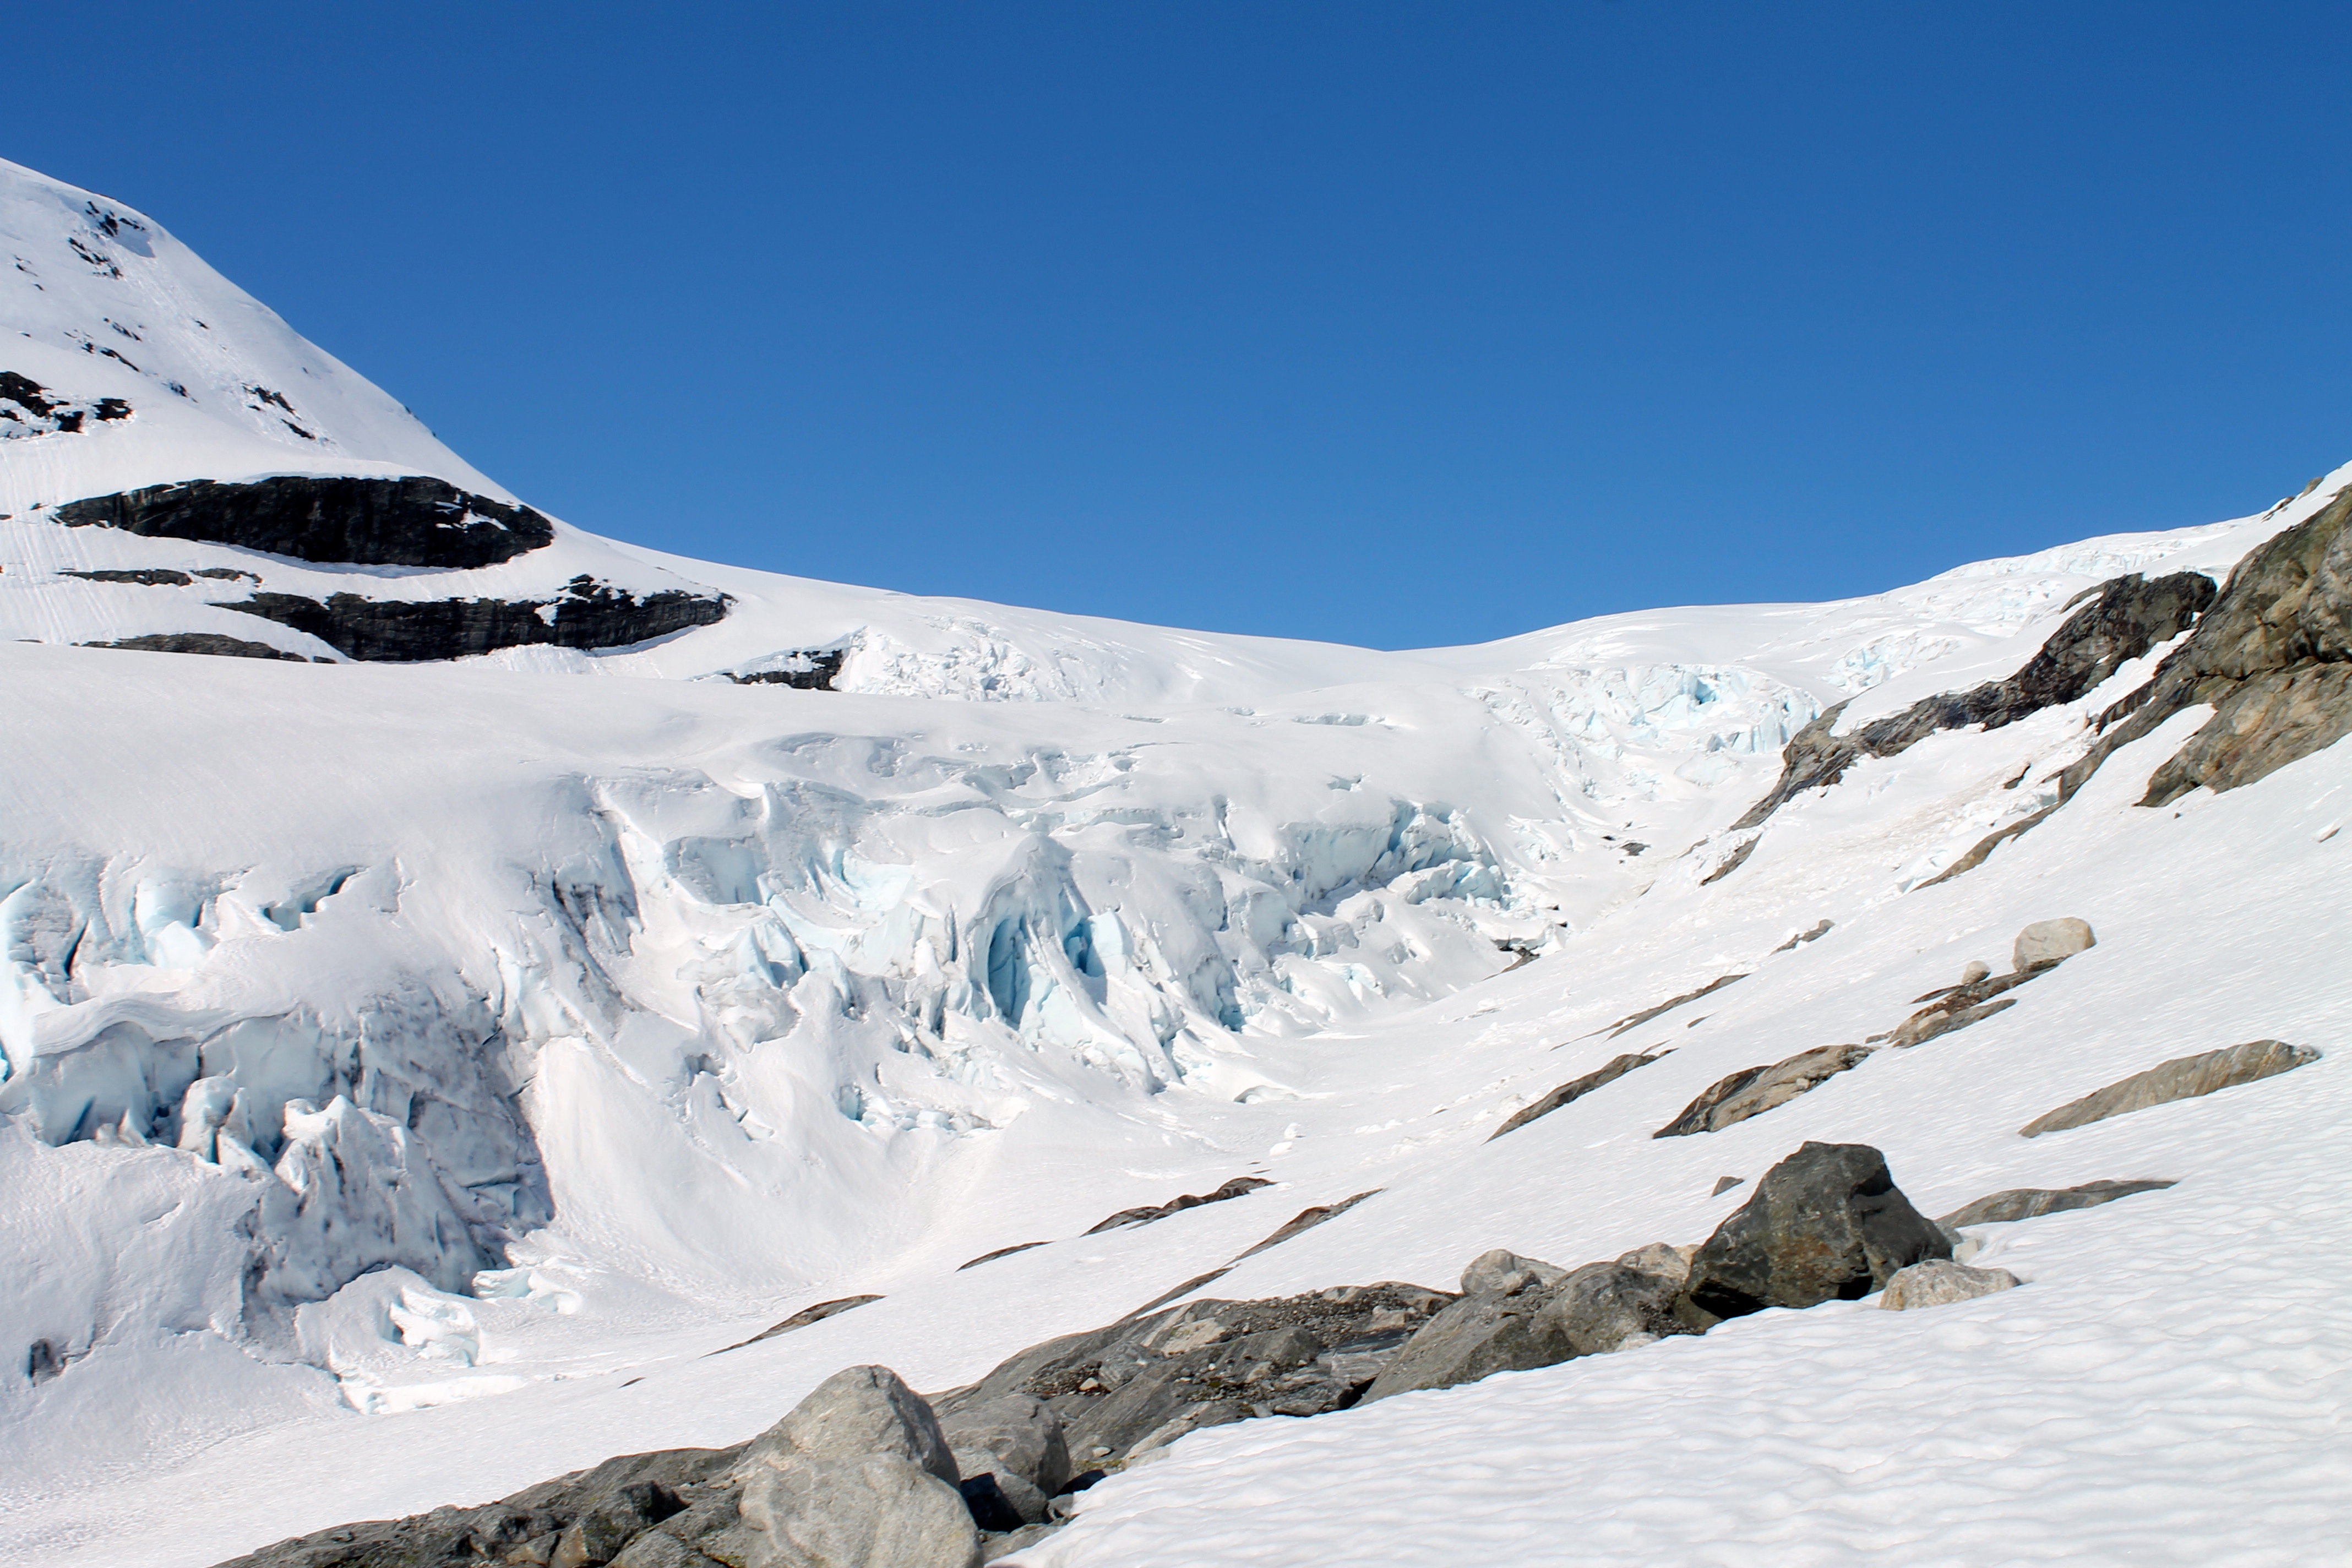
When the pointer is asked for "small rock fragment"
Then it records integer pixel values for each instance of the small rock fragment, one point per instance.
(1977, 970)
(1724, 1185)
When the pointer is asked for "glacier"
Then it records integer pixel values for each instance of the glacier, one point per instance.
(412, 1070)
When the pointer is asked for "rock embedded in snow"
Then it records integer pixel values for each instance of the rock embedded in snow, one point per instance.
(1576, 1090)
(2130, 615)
(413, 521)
(1752, 1091)
(2184, 1077)
(1977, 970)
(2026, 1202)
(2050, 942)
(1940, 1281)
(1826, 1224)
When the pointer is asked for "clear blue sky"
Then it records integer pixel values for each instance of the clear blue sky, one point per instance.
(1391, 324)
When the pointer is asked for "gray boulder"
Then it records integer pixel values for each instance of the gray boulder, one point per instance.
(1825, 1224)
(2184, 1077)
(2025, 1203)
(1477, 1337)
(1507, 1273)
(2050, 942)
(1939, 1281)
(1752, 1091)
(1978, 969)
(1019, 1434)
(1603, 1306)
(879, 1512)
(857, 1413)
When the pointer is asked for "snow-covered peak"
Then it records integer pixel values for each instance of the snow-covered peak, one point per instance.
(218, 385)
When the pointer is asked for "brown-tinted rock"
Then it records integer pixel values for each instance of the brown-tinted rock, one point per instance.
(2184, 1077)
(1825, 1224)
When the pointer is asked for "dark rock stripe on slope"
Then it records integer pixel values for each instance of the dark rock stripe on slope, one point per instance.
(589, 615)
(2130, 615)
(200, 642)
(413, 521)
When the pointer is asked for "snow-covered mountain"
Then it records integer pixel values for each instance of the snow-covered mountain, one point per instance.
(415, 1059)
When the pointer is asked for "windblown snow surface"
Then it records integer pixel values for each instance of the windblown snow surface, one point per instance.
(410, 1075)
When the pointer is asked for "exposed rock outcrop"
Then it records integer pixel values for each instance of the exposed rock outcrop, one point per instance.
(1751, 1092)
(413, 521)
(1520, 1313)
(211, 643)
(28, 408)
(1307, 1219)
(1939, 1281)
(684, 1489)
(1576, 1090)
(2184, 1077)
(1240, 1186)
(2025, 1203)
(803, 1318)
(2271, 656)
(1144, 1380)
(587, 614)
(2130, 615)
(1636, 1020)
(1825, 1224)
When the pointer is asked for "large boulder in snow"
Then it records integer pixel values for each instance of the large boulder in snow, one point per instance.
(1939, 1281)
(2050, 942)
(879, 1512)
(1826, 1224)
(859, 1476)
(858, 1412)
(2183, 1077)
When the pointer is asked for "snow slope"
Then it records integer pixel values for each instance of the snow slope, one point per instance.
(412, 1073)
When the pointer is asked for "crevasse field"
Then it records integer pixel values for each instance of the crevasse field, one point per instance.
(411, 1072)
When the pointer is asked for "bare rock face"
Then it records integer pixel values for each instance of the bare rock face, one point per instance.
(1825, 1224)
(2025, 1203)
(1571, 1092)
(878, 1512)
(1752, 1091)
(2130, 615)
(2051, 941)
(1939, 1281)
(412, 521)
(2184, 1077)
